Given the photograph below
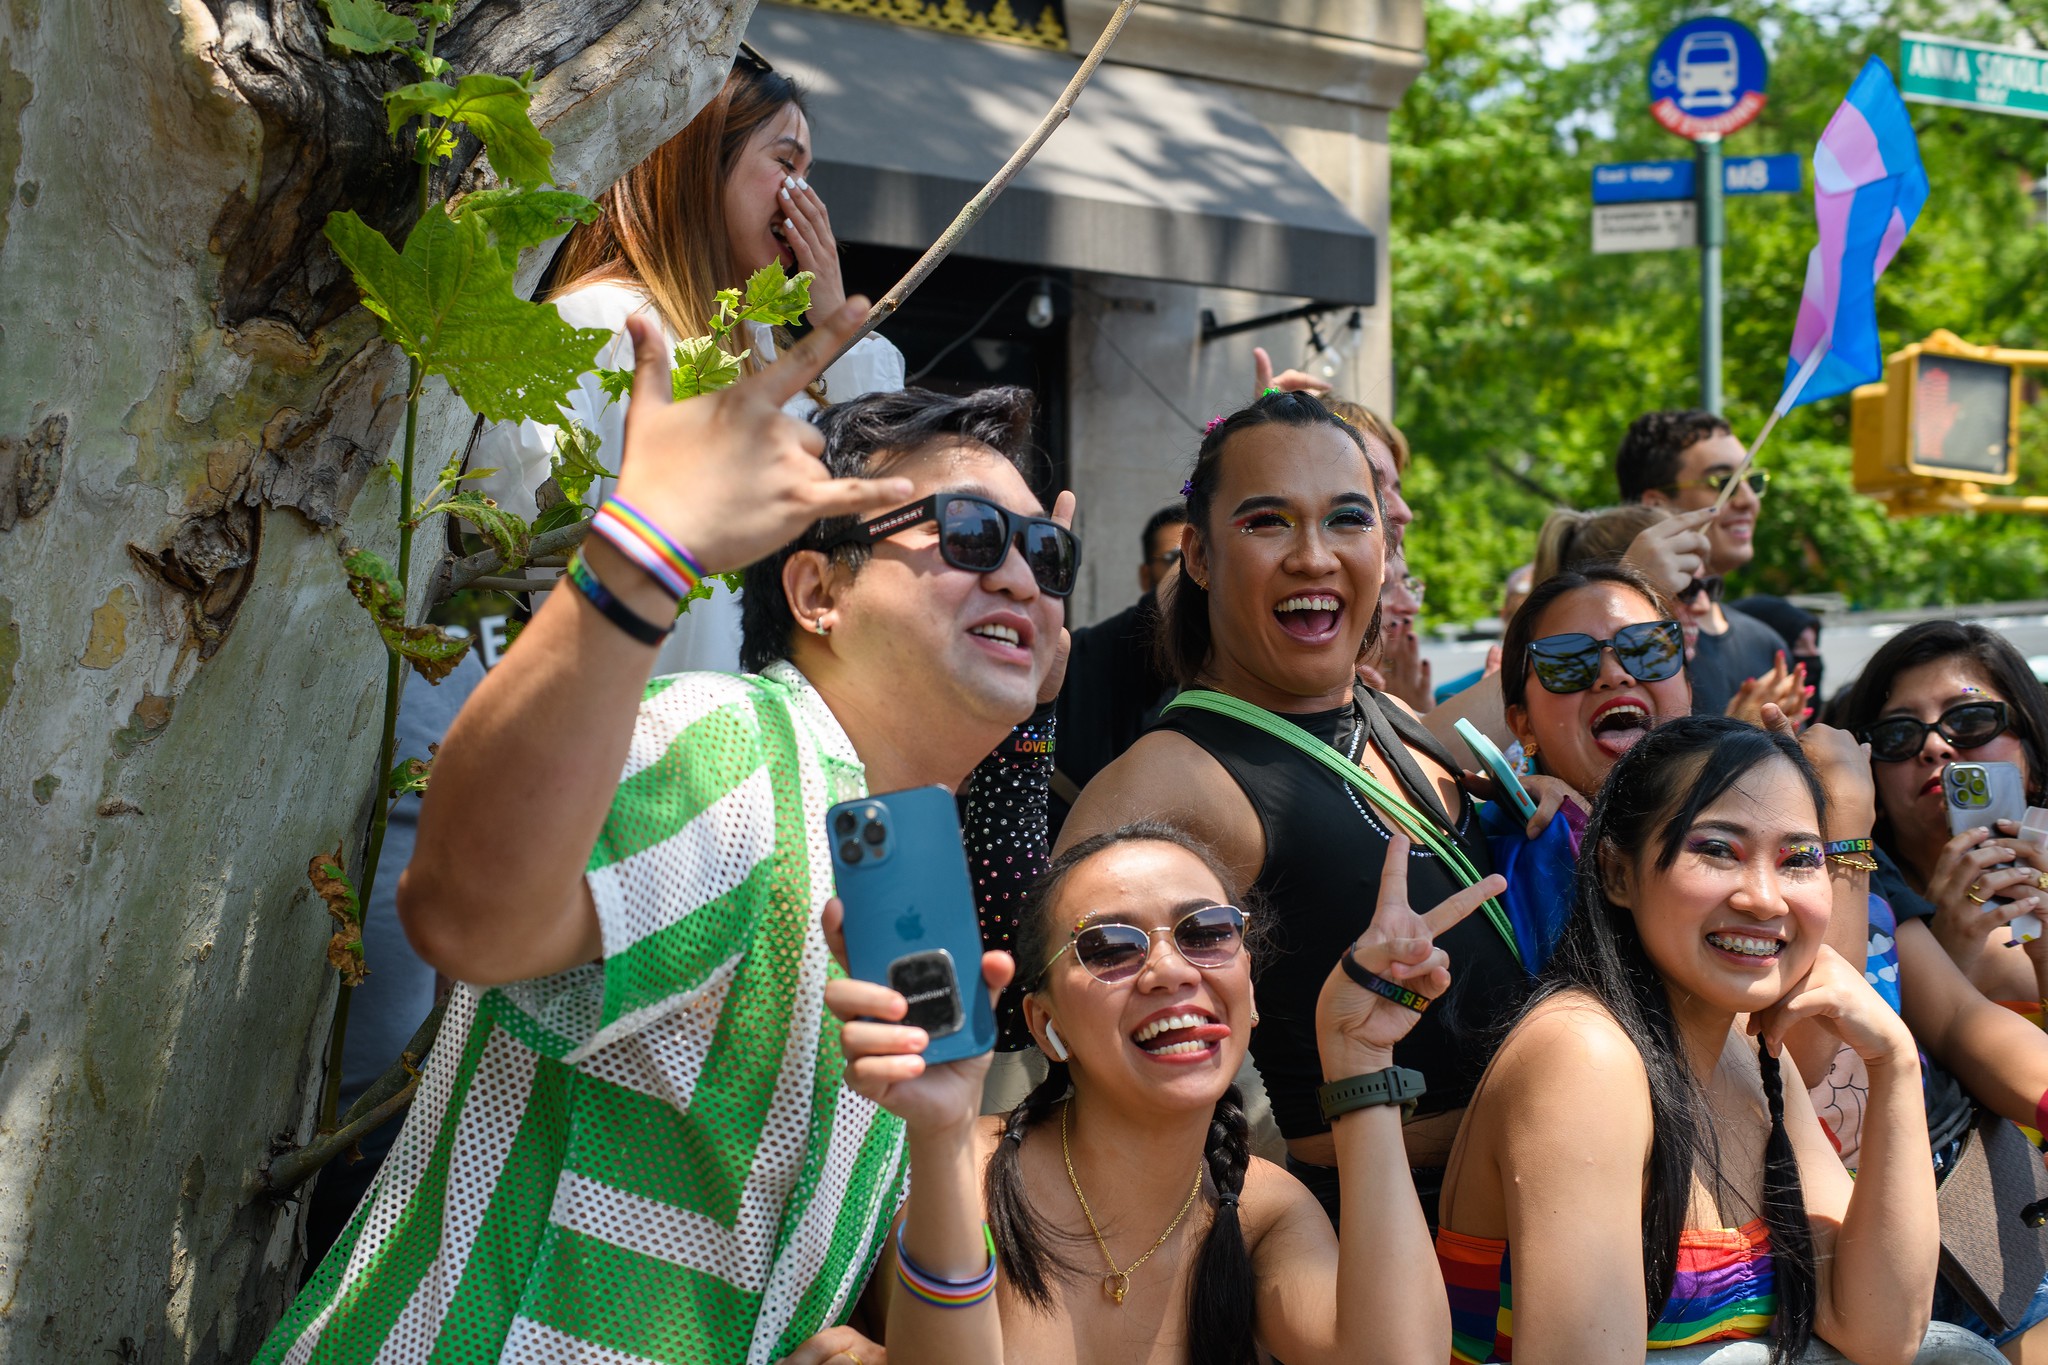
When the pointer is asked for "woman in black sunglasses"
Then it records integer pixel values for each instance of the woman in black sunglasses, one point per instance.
(1121, 1199)
(1941, 692)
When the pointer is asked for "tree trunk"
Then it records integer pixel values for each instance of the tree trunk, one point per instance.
(193, 420)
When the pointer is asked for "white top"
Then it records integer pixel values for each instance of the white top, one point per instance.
(707, 638)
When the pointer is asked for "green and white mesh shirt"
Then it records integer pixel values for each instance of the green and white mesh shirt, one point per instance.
(650, 1158)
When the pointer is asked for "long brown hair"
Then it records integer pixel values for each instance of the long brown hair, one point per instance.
(662, 226)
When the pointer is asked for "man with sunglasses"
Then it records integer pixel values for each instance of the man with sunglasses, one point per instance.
(1113, 683)
(631, 1140)
(1681, 460)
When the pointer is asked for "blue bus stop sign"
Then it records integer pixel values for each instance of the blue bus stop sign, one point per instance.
(1707, 77)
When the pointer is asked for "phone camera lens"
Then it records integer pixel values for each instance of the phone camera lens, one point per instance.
(845, 824)
(850, 851)
(874, 833)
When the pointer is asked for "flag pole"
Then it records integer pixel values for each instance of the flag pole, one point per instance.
(1784, 405)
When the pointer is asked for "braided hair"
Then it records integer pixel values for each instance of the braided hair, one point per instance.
(1221, 1287)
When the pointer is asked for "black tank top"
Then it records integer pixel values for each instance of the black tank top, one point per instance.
(1325, 846)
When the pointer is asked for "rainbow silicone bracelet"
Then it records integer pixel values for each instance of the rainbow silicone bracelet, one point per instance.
(626, 529)
(942, 1293)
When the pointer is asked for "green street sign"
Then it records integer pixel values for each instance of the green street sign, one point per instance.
(1999, 80)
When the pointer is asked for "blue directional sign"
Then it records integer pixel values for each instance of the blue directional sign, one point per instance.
(1707, 77)
(1640, 182)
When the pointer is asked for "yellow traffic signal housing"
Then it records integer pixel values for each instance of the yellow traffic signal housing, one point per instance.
(1942, 424)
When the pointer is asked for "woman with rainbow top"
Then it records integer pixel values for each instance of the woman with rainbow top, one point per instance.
(1634, 1168)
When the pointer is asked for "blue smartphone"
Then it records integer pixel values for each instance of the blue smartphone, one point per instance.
(1496, 764)
(901, 872)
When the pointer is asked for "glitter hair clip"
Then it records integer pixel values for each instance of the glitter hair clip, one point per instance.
(1187, 488)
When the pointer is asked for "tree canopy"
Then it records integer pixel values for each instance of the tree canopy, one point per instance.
(1521, 356)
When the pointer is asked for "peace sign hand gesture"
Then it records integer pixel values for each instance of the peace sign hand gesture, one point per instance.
(1356, 1028)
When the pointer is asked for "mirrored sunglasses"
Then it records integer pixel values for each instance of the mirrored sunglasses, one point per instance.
(1650, 651)
(1207, 938)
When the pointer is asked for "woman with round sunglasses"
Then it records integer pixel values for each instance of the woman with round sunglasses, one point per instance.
(1120, 1199)
(1283, 563)
(1635, 1169)
(1942, 692)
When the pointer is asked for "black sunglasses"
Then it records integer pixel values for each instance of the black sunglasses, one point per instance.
(1757, 479)
(1650, 651)
(1965, 725)
(1207, 938)
(975, 534)
(747, 56)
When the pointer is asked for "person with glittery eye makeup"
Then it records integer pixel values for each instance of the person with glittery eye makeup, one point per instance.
(1641, 1165)
(1284, 556)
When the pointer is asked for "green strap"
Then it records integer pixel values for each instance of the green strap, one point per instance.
(1391, 803)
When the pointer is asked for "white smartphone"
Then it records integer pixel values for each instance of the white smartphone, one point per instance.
(1983, 794)
(1496, 765)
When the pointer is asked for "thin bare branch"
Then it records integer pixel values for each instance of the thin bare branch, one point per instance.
(457, 574)
(386, 1097)
(978, 205)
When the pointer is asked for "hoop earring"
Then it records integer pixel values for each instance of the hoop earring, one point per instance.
(821, 628)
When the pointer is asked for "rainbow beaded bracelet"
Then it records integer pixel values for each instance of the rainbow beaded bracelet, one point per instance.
(943, 1293)
(629, 531)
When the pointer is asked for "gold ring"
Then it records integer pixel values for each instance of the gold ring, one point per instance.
(1974, 896)
(852, 1356)
(2042, 881)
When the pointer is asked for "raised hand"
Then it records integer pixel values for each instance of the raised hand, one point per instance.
(1783, 688)
(1837, 997)
(883, 1059)
(1674, 551)
(1966, 883)
(1063, 513)
(1287, 381)
(808, 230)
(1399, 946)
(729, 474)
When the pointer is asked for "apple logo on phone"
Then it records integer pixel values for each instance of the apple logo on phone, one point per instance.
(909, 925)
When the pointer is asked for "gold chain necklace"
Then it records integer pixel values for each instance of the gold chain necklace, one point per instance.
(1117, 1283)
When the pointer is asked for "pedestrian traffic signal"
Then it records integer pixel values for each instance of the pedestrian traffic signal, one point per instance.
(1943, 423)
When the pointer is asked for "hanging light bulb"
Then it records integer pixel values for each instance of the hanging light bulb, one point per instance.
(1038, 313)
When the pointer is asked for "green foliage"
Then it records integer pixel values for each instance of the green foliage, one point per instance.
(430, 649)
(516, 219)
(409, 776)
(1522, 356)
(576, 464)
(492, 107)
(367, 27)
(448, 301)
(703, 366)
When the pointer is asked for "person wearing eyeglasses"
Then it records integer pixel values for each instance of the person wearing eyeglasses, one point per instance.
(1680, 461)
(1121, 1199)
(1941, 692)
(724, 197)
(1114, 684)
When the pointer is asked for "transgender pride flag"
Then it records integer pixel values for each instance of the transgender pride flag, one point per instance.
(1868, 186)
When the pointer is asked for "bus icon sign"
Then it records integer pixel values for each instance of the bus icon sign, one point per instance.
(1707, 78)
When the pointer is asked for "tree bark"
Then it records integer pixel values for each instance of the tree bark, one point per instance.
(194, 418)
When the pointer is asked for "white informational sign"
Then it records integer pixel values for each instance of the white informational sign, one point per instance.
(1658, 226)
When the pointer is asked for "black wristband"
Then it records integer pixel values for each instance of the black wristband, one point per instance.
(611, 608)
(1379, 985)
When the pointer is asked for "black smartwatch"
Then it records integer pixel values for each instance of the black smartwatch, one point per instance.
(1394, 1085)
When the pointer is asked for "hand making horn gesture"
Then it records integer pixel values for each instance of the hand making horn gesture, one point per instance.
(1394, 971)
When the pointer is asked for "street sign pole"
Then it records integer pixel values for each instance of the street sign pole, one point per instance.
(1713, 232)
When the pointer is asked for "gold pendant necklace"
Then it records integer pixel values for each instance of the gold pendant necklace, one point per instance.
(1117, 1283)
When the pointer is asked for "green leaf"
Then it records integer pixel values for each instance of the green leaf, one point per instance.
(616, 384)
(566, 513)
(449, 302)
(441, 14)
(331, 883)
(516, 219)
(432, 651)
(703, 590)
(576, 464)
(366, 26)
(492, 107)
(774, 300)
(435, 142)
(409, 776)
(703, 366)
(508, 533)
(432, 67)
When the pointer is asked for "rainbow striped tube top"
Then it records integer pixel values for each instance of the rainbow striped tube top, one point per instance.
(1725, 1290)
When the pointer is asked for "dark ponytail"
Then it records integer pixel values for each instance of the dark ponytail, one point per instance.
(1028, 1261)
(1184, 642)
(1221, 1291)
(1650, 801)
(1785, 1216)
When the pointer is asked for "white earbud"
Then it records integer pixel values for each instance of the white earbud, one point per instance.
(1052, 1036)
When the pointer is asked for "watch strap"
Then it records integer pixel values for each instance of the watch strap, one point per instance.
(1391, 1085)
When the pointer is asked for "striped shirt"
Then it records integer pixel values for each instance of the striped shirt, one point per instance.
(649, 1158)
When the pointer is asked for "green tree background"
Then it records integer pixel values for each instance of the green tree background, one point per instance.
(1521, 356)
